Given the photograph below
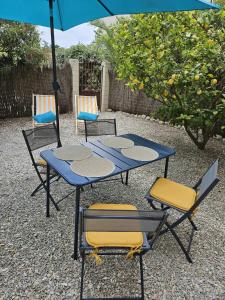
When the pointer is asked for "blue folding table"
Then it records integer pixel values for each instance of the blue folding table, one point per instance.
(122, 164)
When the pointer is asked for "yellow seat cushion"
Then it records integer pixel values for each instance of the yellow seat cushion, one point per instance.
(114, 239)
(173, 193)
(41, 162)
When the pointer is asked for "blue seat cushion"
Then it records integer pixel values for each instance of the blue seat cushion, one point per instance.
(47, 117)
(87, 116)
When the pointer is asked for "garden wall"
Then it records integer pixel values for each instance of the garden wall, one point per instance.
(18, 84)
(122, 98)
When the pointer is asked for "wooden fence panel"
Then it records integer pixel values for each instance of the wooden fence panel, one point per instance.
(19, 83)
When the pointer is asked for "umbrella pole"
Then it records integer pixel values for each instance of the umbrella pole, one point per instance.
(55, 83)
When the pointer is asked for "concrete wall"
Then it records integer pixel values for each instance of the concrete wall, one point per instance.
(74, 63)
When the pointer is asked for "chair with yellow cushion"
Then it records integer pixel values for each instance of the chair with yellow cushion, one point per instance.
(117, 229)
(173, 195)
(35, 139)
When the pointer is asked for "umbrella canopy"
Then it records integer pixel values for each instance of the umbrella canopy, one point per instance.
(65, 14)
(69, 13)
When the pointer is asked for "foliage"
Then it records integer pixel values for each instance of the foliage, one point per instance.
(79, 51)
(177, 59)
(104, 42)
(20, 44)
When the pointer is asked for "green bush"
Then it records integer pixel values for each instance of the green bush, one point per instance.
(20, 44)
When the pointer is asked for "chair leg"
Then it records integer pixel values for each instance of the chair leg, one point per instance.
(58, 178)
(142, 277)
(38, 188)
(82, 275)
(76, 128)
(127, 175)
(190, 240)
(192, 223)
(121, 176)
(186, 252)
(44, 187)
(152, 205)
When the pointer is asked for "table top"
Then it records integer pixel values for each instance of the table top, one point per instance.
(122, 163)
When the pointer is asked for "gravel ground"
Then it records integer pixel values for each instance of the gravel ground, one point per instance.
(36, 252)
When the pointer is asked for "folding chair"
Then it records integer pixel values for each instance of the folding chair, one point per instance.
(42, 104)
(37, 138)
(184, 199)
(84, 104)
(118, 229)
(100, 127)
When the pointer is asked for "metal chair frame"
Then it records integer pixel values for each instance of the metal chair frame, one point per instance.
(148, 243)
(100, 121)
(186, 215)
(113, 122)
(36, 166)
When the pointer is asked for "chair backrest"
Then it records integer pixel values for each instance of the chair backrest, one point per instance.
(39, 137)
(86, 104)
(42, 104)
(208, 180)
(94, 220)
(100, 127)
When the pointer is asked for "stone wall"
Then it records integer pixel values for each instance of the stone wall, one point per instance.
(18, 84)
(122, 98)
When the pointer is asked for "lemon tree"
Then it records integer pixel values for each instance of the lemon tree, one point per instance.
(177, 59)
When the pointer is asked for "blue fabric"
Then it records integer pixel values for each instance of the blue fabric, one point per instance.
(87, 116)
(47, 117)
(69, 13)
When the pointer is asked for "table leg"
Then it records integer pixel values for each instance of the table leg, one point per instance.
(48, 191)
(166, 167)
(76, 228)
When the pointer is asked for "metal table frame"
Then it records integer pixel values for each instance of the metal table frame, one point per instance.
(122, 164)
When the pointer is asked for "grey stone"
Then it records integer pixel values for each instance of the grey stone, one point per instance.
(36, 252)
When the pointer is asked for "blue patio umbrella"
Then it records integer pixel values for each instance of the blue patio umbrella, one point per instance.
(65, 14)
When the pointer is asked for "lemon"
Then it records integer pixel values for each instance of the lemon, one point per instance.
(141, 86)
(165, 93)
(197, 77)
(171, 81)
(210, 75)
(210, 42)
(199, 92)
(214, 81)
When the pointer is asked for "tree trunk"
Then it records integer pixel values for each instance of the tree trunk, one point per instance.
(200, 144)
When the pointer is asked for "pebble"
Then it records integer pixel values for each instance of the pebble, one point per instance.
(36, 252)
